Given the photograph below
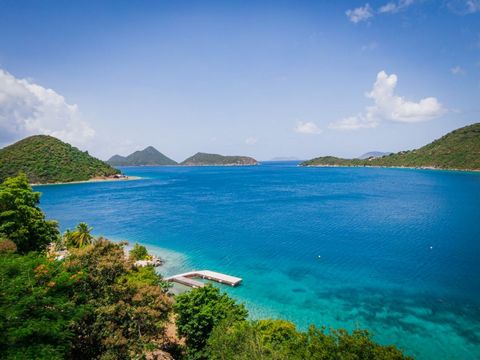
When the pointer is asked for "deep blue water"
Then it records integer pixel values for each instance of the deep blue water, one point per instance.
(396, 251)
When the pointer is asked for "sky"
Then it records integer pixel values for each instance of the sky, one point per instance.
(260, 78)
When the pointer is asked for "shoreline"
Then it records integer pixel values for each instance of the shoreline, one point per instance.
(93, 180)
(393, 167)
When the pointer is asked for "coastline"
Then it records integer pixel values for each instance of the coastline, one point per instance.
(93, 180)
(392, 167)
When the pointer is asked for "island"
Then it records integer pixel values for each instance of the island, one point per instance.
(204, 159)
(146, 157)
(46, 159)
(457, 150)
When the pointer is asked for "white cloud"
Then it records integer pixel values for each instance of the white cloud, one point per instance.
(359, 14)
(251, 140)
(391, 107)
(27, 108)
(395, 7)
(366, 12)
(464, 7)
(307, 128)
(457, 70)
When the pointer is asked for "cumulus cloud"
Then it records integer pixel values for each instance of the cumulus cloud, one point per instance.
(457, 70)
(27, 108)
(360, 14)
(307, 128)
(251, 140)
(391, 107)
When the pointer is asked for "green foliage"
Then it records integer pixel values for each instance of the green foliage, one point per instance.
(279, 340)
(459, 149)
(36, 308)
(79, 237)
(128, 308)
(46, 159)
(198, 311)
(202, 159)
(148, 156)
(21, 221)
(146, 275)
(138, 252)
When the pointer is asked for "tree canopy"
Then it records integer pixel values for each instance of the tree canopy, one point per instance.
(21, 220)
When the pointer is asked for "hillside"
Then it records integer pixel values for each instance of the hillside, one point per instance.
(374, 154)
(46, 159)
(204, 159)
(148, 156)
(459, 149)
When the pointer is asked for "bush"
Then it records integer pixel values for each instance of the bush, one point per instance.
(199, 311)
(138, 252)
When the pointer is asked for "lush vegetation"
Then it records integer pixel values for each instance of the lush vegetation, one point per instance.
(148, 156)
(21, 220)
(85, 299)
(202, 159)
(459, 149)
(280, 340)
(199, 311)
(45, 159)
(138, 252)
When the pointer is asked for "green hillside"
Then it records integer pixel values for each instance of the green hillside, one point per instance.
(46, 159)
(148, 156)
(459, 149)
(204, 159)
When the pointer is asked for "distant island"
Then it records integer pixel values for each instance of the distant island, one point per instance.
(45, 159)
(204, 159)
(146, 157)
(373, 154)
(457, 150)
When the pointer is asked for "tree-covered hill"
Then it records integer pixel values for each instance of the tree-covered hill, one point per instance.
(459, 149)
(204, 159)
(148, 156)
(45, 159)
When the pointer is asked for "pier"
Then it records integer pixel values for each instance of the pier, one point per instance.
(187, 278)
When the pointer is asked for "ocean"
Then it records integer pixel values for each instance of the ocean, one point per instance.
(395, 251)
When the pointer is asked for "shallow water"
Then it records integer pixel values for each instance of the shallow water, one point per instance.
(396, 251)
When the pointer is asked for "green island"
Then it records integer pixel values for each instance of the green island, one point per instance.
(45, 159)
(74, 296)
(457, 150)
(204, 159)
(146, 157)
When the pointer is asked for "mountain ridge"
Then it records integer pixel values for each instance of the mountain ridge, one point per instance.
(206, 159)
(146, 157)
(46, 159)
(456, 150)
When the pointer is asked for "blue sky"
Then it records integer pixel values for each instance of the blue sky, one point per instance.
(259, 78)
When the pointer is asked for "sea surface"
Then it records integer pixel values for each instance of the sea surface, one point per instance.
(396, 251)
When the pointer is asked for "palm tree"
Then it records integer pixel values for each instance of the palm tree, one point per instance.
(80, 236)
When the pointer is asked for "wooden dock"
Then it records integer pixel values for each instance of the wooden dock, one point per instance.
(187, 278)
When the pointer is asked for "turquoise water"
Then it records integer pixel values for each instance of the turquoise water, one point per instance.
(396, 251)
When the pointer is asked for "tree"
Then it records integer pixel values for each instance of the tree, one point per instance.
(199, 311)
(21, 220)
(280, 340)
(36, 308)
(79, 237)
(128, 310)
(138, 252)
